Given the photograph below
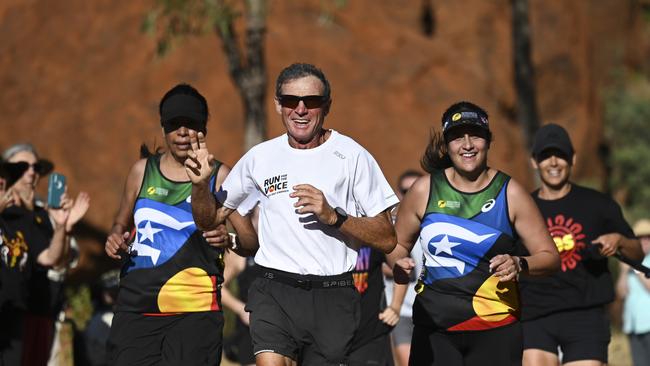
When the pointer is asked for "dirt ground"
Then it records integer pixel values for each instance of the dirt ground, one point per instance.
(619, 351)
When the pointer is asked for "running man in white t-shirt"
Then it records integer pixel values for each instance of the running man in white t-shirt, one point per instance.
(321, 195)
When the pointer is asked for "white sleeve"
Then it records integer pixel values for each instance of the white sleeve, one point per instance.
(239, 183)
(371, 191)
(249, 204)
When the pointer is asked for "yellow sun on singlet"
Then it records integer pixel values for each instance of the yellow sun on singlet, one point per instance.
(174, 296)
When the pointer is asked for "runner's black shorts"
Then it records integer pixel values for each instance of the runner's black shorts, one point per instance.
(297, 317)
(183, 339)
(499, 346)
(581, 334)
(377, 352)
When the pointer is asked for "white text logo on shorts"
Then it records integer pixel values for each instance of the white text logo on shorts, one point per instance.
(276, 184)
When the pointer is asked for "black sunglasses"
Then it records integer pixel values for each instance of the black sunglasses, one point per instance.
(310, 101)
(22, 166)
(13, 171)
(175, 124)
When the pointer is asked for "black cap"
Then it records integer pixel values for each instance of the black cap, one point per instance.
(552, 136)
(465, 117)
(183, 106)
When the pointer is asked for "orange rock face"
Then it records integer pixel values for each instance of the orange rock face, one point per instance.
(82, 82)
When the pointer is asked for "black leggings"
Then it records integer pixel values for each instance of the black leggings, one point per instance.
(500, 346)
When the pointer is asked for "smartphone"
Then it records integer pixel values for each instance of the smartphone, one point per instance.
(55, 189)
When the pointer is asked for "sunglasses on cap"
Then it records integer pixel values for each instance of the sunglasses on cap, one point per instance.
(175, 124)
(310, 101)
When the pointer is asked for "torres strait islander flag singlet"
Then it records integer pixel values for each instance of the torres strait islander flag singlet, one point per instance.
(171, 269)
(459, 234)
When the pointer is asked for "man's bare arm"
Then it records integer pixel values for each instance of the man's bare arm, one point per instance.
(377, 231)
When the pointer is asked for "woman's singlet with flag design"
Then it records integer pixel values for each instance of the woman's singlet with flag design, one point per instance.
(171, 269)
(460, 232)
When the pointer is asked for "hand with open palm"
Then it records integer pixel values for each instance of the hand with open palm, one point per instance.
(198, 165)
(78, 210)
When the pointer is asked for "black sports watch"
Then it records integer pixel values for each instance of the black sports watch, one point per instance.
(341, 216)
(523, 265)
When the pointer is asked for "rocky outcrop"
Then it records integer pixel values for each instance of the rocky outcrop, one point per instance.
(81, 81)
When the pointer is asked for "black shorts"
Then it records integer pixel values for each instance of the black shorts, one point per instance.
(377, 352)
(310, 324)
(500, 346)
(184, 339)
(581, 334)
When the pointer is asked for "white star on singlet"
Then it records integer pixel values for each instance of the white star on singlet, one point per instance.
(444, 245)
(147, 232)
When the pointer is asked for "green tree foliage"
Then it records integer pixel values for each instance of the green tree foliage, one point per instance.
(172, 20)
(627, 128)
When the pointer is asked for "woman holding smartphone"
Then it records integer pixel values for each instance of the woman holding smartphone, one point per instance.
(35, 241)
(467, 217)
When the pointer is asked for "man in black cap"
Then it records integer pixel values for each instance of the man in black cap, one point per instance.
(168, 310)
(567, 310)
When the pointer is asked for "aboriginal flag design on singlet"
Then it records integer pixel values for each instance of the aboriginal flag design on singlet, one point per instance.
(459, 234)
(172, 269)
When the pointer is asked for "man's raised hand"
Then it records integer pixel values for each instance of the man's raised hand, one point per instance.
(198, 163)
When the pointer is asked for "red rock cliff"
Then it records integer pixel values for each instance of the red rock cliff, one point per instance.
(82, 82)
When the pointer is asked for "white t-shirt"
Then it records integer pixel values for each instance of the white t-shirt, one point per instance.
(343, 170)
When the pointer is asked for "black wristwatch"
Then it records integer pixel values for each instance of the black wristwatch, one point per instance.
(341, 216)
(523, 265)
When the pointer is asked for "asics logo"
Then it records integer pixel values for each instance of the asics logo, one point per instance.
(488, 205)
